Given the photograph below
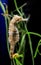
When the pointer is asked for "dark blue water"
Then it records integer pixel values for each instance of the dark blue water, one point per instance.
(4, 57)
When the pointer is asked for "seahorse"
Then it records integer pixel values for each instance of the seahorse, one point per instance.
(14, 33)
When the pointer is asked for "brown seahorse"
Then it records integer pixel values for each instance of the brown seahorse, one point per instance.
(14, 33)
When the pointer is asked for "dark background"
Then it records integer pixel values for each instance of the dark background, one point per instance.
(33, 8)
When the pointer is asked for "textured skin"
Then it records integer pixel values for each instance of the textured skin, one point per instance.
(13, 33)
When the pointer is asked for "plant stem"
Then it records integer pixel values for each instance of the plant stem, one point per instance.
(21, 6)
(35, 33)
(30, 43)
(17, 62)
(5, 25)
(37, 51)
(17, 8)
(23, 37)
(2, 6)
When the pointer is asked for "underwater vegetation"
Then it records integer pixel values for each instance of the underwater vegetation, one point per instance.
(18, 56)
